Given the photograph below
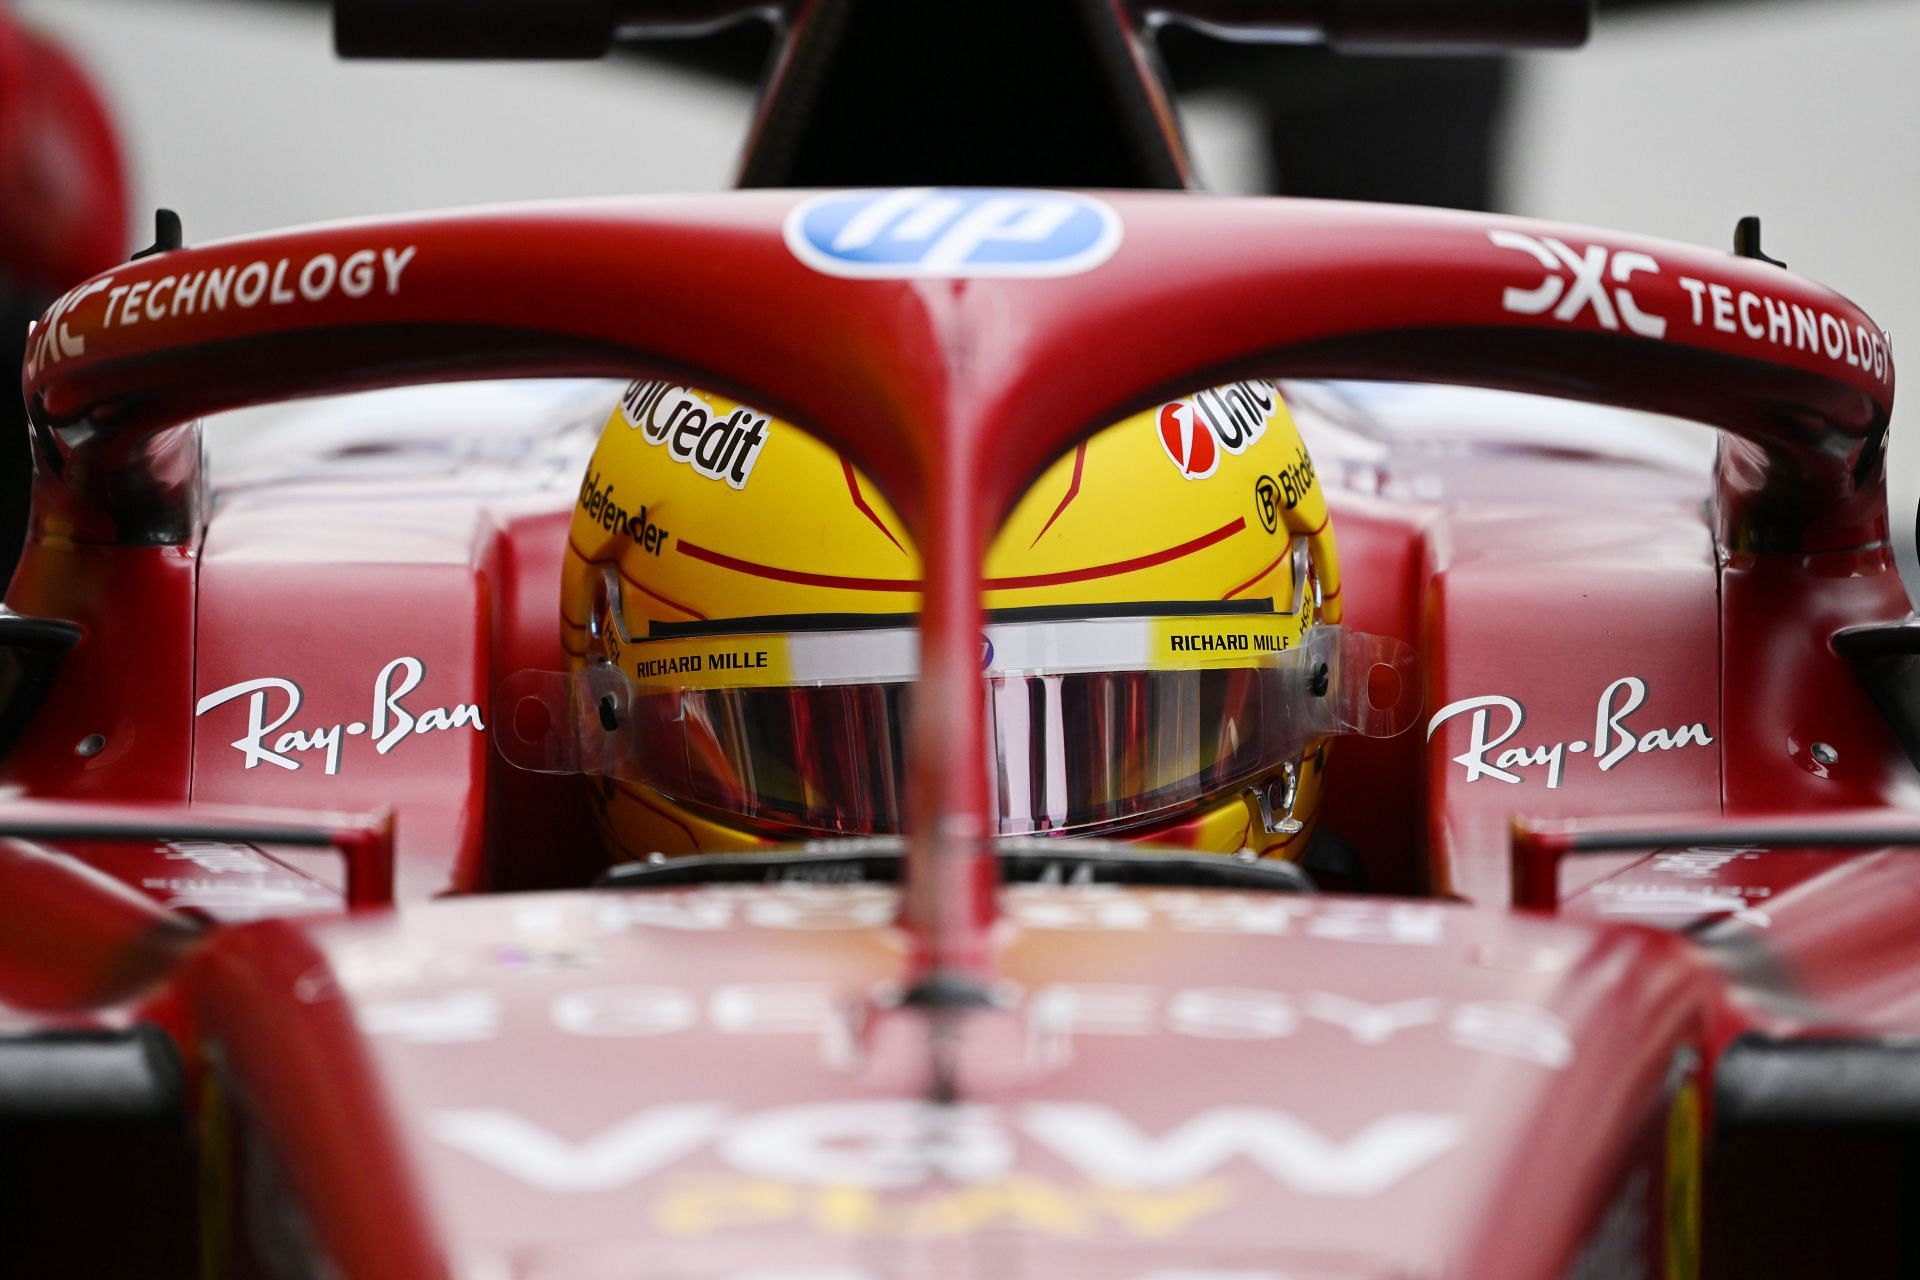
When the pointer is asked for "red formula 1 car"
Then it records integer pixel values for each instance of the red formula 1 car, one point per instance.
(312, 960)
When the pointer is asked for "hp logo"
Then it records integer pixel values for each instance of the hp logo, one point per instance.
(952, 231)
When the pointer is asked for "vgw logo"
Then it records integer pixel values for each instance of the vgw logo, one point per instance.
(946, 231)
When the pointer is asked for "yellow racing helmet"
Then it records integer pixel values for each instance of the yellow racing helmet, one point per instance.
(1162, 654)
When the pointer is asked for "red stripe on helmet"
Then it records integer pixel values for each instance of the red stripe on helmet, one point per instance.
(1073, 491)
(804, 578)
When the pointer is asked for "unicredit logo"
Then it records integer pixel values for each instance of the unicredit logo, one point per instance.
(1195, 429)
(718, 448)
(952, 231)
(1187, 440)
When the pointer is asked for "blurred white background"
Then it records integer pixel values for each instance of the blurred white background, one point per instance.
(1672, 123)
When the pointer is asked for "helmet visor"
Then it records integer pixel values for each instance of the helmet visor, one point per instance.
(1092, 723)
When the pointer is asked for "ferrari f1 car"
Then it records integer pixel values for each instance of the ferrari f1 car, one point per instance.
(820, 732)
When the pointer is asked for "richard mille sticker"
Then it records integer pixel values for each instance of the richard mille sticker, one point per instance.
(272, 701)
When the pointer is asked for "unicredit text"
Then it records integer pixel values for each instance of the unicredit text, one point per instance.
(718, 448)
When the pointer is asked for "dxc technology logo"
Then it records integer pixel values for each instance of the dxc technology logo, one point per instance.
(947, 231)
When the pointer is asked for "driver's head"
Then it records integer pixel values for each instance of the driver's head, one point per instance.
(739, 606)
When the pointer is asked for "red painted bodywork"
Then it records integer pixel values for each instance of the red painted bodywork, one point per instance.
(1195, 1081)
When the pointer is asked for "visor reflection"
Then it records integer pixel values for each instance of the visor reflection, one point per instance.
(1072, 751)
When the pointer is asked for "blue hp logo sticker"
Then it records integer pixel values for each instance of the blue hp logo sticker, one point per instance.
(952, 231)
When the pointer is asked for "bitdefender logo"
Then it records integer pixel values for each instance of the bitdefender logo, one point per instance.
(718, 448)
(601, 507)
